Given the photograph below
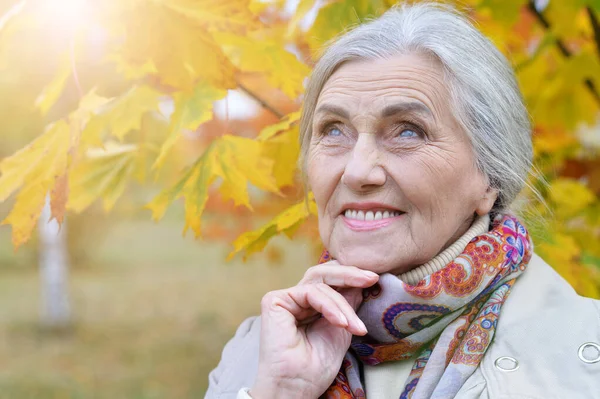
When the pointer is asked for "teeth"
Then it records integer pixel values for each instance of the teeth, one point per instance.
(370, 215)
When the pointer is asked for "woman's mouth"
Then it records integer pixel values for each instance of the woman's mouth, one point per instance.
(361, 220)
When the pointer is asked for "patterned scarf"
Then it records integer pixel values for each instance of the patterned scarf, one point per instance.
(447, 320)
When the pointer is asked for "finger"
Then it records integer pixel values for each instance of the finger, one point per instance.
(355, 325)
(302, 302)
(354, 296)
(339, 276)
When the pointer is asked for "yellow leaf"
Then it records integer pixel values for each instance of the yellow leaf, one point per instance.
(231, 15)
(239, 161)
(58, 198)
(53, 91)
(189, 54)
(284, 149)
(339, 15)
(505, 11)
(191, 110)
(286, 222)
(282, 146)
(103, 173)
(570, 197)
(563, 99)
(304, 6)
(236, 160)
(35, 170)
(267, 55)
(564, 254)
(566, 17)
(279, 127)
(122, 114)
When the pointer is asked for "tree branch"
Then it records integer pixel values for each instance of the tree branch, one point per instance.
(262, 102)
(595, 26)
(561, 45)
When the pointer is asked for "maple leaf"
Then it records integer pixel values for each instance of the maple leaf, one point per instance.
(192, 108)
(287, 222)
(304, 6)
(237, 160)
(337, 16)
(281, 141)
(103, 173)
(34, 170)
(505, 11)
(230, 16)
(121, 115)
(570, 197)
(190, 55)
(283, 125)
(52, 92)
(282, 69)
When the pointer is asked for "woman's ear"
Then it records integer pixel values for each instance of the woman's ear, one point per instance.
(486, 202)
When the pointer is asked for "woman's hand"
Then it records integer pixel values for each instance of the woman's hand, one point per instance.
(300, 351)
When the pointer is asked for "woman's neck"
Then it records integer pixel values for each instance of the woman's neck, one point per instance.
(479, 226)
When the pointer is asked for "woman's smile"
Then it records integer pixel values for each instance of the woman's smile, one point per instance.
(367, 217)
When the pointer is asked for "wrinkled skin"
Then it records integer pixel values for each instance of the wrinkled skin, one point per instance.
(384, 138)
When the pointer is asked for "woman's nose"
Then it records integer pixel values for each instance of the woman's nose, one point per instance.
(363, 171)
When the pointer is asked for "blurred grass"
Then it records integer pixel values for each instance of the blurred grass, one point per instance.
(152, 313)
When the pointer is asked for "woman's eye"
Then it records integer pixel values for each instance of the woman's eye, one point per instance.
(334, 132)
(408, 133)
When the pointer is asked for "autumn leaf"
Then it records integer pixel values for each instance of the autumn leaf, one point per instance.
(230, 16)
(287, 222)
(54, 89)
(236, 160)
(504, 11)
(191, 110)
(282, 145)
(191, 54)
(121, 115)
(283, 125)
(103, 173)
(34, 170)
(281, 68)
(337, 16)
(304, 6)
(570, 197)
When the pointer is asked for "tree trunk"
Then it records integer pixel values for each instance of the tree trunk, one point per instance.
(54, 272)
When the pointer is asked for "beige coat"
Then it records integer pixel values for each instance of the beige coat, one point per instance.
(544, 326)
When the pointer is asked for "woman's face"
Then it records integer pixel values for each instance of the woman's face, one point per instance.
(393, 174)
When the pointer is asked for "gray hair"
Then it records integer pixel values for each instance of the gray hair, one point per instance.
(486, 99)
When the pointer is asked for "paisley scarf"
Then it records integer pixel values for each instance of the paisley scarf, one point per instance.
(446, 321)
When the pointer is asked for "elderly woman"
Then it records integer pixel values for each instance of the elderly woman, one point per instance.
(415, 141)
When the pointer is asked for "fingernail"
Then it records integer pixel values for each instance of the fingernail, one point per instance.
(343, 318)
(369, 274)
(361, 326)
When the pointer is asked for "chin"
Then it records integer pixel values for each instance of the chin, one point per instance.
(372, 259)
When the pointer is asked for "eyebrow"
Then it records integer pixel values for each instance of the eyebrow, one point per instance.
(403, 108)
(390, 110)
(333, 109)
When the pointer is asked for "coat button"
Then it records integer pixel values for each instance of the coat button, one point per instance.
(589, 352)
(506, 363)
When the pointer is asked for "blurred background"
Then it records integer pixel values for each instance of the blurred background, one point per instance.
(149, 194)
